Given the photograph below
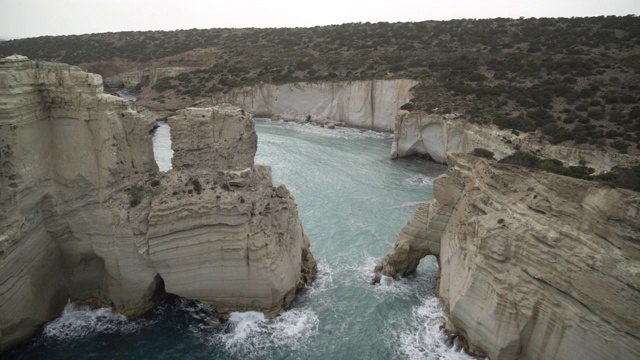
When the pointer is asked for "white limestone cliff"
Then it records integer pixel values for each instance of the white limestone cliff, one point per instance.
(419, 133)
(533, 265)
(369, 104)
(85, 214)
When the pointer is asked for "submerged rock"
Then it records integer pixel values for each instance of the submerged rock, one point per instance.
(86, 215)
(533, 264)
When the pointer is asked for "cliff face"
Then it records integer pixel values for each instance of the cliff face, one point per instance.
(85, 214)
(436, 135)
(218, 230)
(533, 265)
(369, 104)
(68, 153)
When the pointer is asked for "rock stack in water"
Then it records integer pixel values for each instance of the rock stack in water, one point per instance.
(218, 231)
(85, 215)
(533, 265)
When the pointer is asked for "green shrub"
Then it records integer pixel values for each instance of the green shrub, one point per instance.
(596, 114)
(620, 145)
(408, 106)
(522, 158)
(476, 76)
(627, 178)
(483, 153)
(582, 107)
(628, 99)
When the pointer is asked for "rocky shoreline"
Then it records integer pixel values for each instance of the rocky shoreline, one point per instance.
(532, 264)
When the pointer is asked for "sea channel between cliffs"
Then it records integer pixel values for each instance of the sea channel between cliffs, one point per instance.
(352, 200)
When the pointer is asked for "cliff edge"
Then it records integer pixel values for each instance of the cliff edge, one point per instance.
(533, 265)
(85, 215)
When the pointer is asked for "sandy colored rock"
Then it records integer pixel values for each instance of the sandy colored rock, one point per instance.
(218, 231)
(224, 139)
(87, 216)
(68, 153)
(533, 265)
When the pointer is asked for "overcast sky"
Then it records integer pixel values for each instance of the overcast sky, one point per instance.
(29, 18)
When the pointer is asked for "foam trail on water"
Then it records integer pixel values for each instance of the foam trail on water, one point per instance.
(339, 132)
(408, 204)
(131, 96)
(420, 180)
(424, 337)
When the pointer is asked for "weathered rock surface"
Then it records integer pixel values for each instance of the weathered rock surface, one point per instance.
(218, 231)
(533, 265)
(369, 104)
(221, 143)
(436, 135)
(85, 215)
(67, 153)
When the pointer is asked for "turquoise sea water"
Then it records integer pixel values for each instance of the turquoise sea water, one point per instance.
(352, 201)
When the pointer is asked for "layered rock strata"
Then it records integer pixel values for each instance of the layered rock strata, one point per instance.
(86, 216)
(218, 231)
(533, 265)
(436, 135)
(369, 104)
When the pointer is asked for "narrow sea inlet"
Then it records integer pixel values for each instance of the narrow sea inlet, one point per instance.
(352, 200)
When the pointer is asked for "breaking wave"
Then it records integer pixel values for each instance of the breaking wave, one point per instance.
(252, 335)
(323, 280)
(82, 321)
(424, 338)
(420, 180)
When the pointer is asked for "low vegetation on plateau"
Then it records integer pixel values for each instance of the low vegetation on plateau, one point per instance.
(573, 81)
(627, 178)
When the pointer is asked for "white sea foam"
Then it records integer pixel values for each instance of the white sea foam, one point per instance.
(131, 96)
(339, 132)
(251, 335)
(424, 337)
(420, 180)
(323, 281)
(387, 286)
(81, 321)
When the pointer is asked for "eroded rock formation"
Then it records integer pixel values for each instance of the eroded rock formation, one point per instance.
(533, 265)
(86, 216)
(436, 135)
(218, 231)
